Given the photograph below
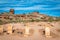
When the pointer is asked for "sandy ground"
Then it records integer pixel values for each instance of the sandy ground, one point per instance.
(33, 37)
(55, 35)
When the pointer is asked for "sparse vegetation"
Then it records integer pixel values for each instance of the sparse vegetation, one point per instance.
(12, 19)
(1, 22)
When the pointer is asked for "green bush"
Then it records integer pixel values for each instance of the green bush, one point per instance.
(1, 22)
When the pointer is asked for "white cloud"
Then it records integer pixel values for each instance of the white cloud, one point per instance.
(36, 7)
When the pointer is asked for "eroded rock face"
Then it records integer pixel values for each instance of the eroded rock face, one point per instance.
(9, 29)
(34, 28)
(47, 32)
(1, 29)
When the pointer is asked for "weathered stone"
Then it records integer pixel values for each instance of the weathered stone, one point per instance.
(9, 29)
(1, 29)
(27, 30)
(47, 32)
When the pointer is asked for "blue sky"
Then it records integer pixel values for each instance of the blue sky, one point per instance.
(48, 7)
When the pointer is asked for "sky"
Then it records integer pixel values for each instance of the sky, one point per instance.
(48, 7)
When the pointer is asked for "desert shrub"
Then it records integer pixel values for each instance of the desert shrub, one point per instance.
(1, 22)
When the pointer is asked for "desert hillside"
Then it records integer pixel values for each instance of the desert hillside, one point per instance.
(10, 17)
